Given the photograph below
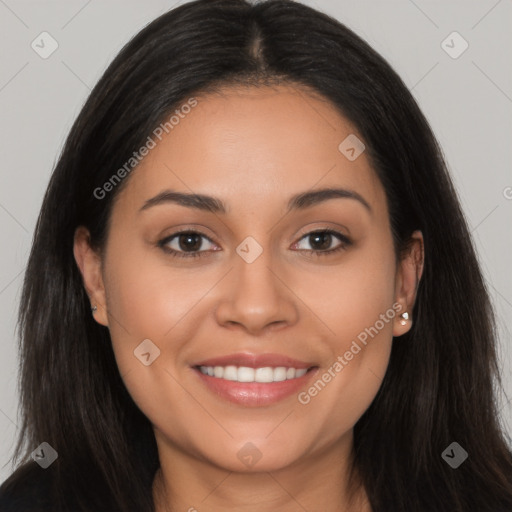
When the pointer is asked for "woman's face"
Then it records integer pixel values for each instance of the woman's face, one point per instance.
(250, 283)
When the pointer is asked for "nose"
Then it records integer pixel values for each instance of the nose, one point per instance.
(255, 297)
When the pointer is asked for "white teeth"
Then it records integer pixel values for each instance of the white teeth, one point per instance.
(230, 373)
(264, 374)
(279, 373)
(246, 374)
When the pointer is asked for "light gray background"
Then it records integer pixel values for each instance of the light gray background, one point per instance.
(467, 100)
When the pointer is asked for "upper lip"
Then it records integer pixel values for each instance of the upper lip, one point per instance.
(255, 361)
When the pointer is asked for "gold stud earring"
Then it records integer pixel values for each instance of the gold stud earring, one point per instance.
(405, 317)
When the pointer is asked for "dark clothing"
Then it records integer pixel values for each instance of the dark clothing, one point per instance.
(27, 490)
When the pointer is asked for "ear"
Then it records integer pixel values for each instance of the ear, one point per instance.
(409, 272)
(89, 263)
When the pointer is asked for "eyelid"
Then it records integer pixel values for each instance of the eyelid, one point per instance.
(341, 237)
(326, 227)
(344, 240)
(162, 242)
(302, 233)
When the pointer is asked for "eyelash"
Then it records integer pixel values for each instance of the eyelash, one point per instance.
(345, 242)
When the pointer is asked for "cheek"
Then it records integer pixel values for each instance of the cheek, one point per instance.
(149, 301)
(148, 297)
(146, 300)
(356, 304)
(351, 296)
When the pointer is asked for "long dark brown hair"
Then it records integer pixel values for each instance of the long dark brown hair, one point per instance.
(443, 374)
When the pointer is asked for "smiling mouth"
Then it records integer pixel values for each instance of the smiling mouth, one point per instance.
(245, 374)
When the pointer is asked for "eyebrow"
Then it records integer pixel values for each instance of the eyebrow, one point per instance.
(208, 203)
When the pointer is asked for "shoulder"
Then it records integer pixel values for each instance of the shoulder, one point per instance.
(28, 489)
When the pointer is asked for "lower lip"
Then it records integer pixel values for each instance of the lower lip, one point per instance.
(255, 394)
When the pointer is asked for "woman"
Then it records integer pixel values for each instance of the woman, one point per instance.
(252, 287)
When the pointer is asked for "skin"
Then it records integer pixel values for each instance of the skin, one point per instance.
(253, 148)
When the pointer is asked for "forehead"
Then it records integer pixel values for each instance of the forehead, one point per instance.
(253, 146)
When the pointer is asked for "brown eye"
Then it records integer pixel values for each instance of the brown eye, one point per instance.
(321, 242)
(184, 244)
(189, 242)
